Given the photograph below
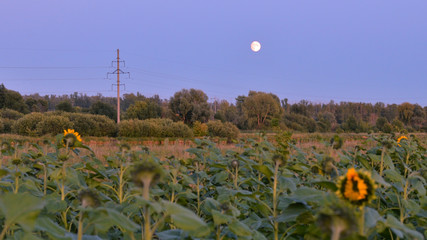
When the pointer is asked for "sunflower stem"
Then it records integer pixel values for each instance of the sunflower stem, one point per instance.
(147, 220)
(362, 221)
(80, 227)
(198, 188)
(3, 232)
(236, 177)
(382, 161)
(276, 224)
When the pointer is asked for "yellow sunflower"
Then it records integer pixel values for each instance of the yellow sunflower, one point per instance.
(71, 137)
(400, 139)
(357, 187)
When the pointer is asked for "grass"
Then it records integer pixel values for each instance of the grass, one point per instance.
(105, 146)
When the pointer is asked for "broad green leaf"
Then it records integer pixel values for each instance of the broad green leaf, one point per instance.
(327, 184)
(371, 217)
(375, 158)
(411, 206)
(291, 213)
(220, 218)
(264, 169)
(186, 219)
(393, 176)
(21, 208)
(52, 229)
(287, 183)
(397, 227)
(240, 229)
(174, 234)
(305, 194)
(378, 179)
(121, 221)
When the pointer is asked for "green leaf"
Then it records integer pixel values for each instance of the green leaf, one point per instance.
(377, 178)
(174, 234)
(221, 177)
(220, 218)
(371, 218)
(264, 169)
(121, 221)
(305, 194)
(398, 228)
(328, 185)
(393, 176)
(186, 219)
(375, 158)
(52, 229)
(411, 206)
(291, 212)
(21, 208)
(240, 229)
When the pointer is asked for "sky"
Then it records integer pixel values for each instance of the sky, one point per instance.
(353, 50)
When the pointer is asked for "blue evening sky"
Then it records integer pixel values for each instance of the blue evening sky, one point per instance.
(353, 50)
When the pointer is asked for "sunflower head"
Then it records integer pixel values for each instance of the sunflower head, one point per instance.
(280, 159)
(356, 187)
(328, 165)
(89, 198)
(234, 164)
(336, 141)
(400, 139)
(71, 138)
(147, 173)
(124, 147)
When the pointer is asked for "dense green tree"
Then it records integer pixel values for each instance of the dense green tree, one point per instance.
(143, 110)
(326, 122)
(189, 106)
(100, 108)
(12, 100)
(36, 105)
(260, 107)
(65, 106)
(381, 123)
(406, 111)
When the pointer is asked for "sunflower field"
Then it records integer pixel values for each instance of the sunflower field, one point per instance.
(263, 190)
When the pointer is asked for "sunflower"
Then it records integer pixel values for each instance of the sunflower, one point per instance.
(71, 138)
(357, 187)
(400, 139)
(89, 198)
(147, 173)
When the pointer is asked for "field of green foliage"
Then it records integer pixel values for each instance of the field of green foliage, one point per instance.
(259, 190)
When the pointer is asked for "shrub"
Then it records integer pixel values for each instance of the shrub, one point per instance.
(129, 128)
(10, 114)
(200, 129)
(179, 129)
(1, 126)
(7, 125)
(92, 125)
(219, 129)
(53, 125)
(300, 122)
(103, 126)
(27, 125)
(153, 128)
(83, 123)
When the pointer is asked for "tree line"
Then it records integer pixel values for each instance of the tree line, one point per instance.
(255, 111)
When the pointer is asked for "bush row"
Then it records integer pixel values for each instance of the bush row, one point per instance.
(37, 124)
(168, 128)
(156, 127)
(222, 129)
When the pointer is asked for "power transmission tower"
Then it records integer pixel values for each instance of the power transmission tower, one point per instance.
(118, 72)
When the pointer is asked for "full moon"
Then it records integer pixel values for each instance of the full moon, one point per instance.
(255, 46)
